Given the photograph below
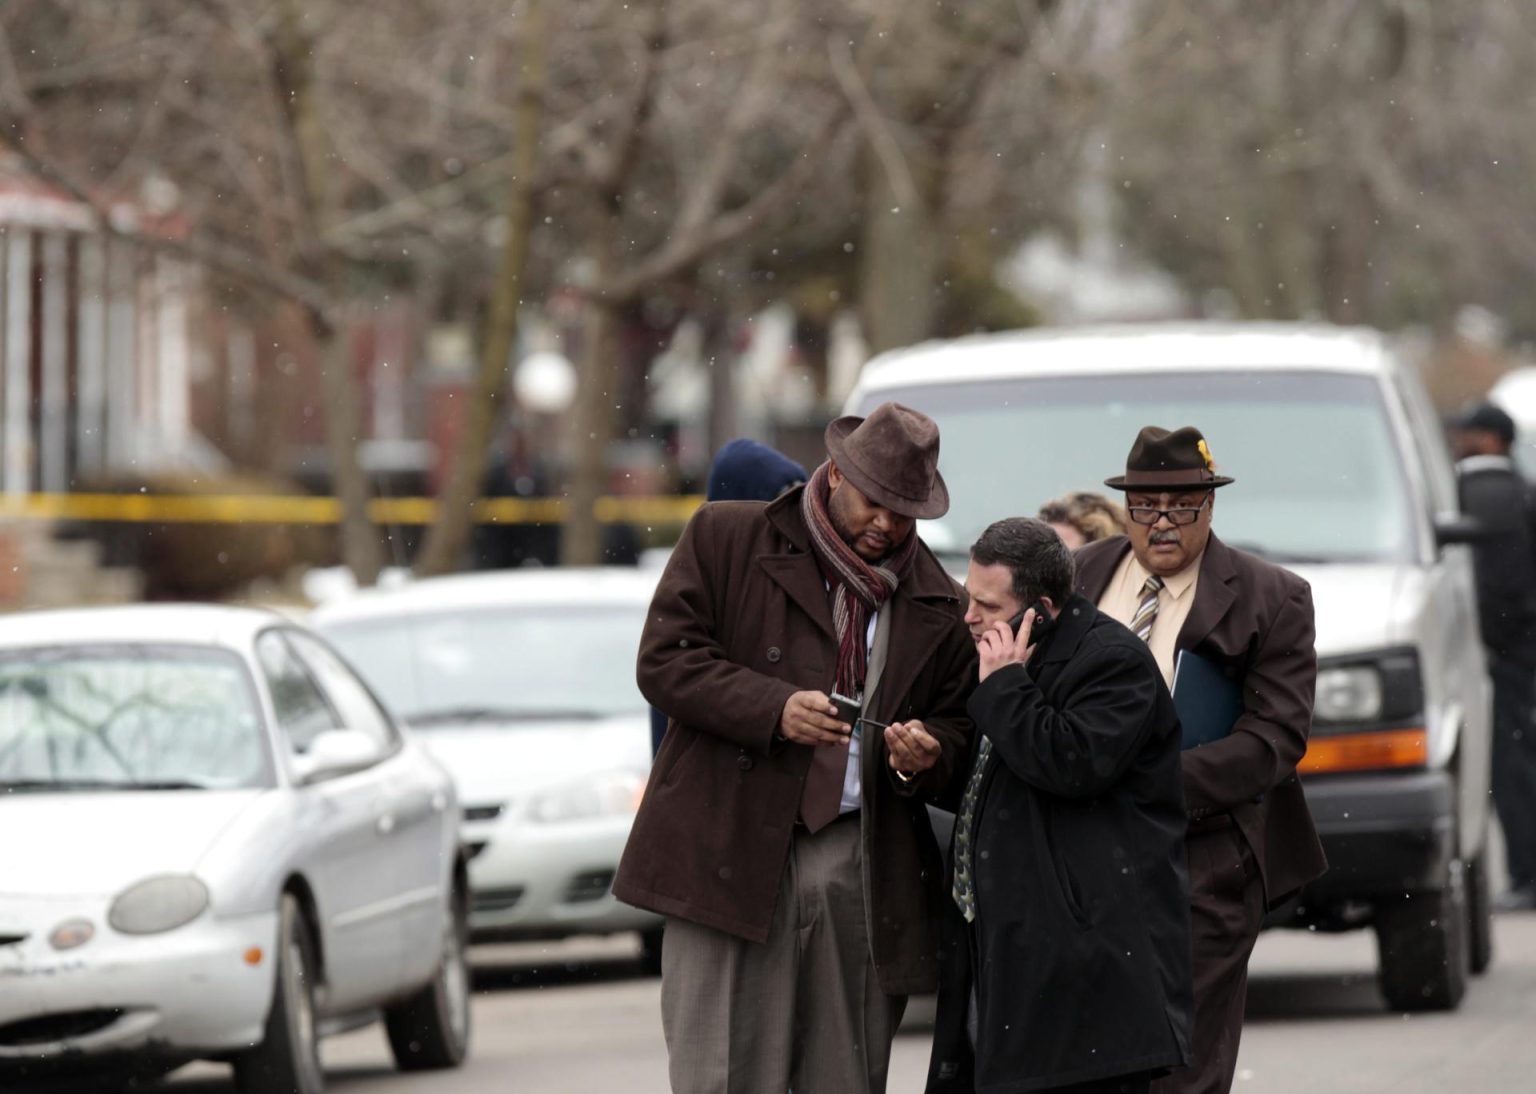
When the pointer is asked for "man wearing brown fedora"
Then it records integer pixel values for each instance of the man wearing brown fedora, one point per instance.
(783, 833)
(1251, 842)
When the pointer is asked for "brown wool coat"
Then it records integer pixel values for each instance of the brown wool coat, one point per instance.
(740, 621)
(1253, 619)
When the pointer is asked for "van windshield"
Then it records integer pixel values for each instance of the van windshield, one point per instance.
(1319, 477)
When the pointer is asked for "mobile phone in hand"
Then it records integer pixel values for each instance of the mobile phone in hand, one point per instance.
(1042, 625)
(847, 709)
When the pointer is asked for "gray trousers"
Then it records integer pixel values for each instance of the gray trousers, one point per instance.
(801, 1013)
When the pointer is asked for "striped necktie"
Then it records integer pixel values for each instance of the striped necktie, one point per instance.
(1146, 611)
(963, 888)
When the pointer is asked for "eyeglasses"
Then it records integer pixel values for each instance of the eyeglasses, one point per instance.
(1146, 514)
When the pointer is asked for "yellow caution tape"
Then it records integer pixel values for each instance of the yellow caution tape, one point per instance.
(294, 509)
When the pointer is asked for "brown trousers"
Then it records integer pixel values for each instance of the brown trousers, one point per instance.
(1226, 899)
(802, 1012)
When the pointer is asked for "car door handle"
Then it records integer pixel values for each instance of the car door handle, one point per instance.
(386, 824)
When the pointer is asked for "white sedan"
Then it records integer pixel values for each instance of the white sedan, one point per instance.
(217, 845)
(523, 684)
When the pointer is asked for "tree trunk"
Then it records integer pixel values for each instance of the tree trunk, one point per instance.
(450, 532)
(899, 263)
(581, 540)
(293, 58)
(1347, 254)
(360, 548)
(719, 329)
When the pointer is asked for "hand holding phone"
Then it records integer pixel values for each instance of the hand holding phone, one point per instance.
(1042, 623)
(848, 710)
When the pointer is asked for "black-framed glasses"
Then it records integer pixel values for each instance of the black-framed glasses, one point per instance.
(1184, 515)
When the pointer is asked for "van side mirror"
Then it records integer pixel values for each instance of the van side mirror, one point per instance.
(335, 752)
(1459, 529)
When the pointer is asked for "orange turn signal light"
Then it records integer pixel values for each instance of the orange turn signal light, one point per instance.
(1366, 751)
(253, 956)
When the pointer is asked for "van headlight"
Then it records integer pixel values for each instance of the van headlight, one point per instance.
(1368, 715)
(1377, 689)
(610, 794)
(1348, 694)
(158, 904)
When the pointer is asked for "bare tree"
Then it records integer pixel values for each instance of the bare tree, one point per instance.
(651, 201)
(450, 532)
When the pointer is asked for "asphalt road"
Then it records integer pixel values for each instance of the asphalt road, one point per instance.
(577, 1017)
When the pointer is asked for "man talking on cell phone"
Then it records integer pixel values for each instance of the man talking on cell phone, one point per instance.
(1066, 959)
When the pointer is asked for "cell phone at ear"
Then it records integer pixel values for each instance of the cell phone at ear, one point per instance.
(1042, 624)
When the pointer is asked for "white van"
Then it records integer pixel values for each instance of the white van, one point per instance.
(1342, 476)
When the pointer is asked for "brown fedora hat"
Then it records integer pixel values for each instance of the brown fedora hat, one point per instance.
(892, 457)
(1161, 460)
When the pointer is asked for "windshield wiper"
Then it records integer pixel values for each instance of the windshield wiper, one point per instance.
(1281, 556)
(165, 784)
(460, 715)
(26, 785)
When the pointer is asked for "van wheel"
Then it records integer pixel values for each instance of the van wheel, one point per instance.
(429, 1030)
(1479, 914)
(288, 1059)
(1424, 946)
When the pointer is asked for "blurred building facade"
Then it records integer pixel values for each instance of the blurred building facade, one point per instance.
(96, 349)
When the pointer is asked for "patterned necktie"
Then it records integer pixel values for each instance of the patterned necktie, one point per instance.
(964, 887)
(1146, 611)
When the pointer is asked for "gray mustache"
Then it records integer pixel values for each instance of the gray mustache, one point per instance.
(1165, 537)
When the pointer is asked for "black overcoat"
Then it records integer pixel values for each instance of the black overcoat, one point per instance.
(1081, 945)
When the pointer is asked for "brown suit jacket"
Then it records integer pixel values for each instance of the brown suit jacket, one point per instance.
(740, 621)
(1254, 620)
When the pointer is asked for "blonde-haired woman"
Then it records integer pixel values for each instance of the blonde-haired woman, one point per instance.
(1083, 517)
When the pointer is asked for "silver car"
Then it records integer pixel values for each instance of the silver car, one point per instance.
(217, 845)
(522, 683)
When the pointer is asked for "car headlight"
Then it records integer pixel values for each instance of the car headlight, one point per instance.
(159, 904)
(613, 793)
(1348, 694)
(1368, 715)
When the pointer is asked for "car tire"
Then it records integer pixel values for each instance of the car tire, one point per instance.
(288, 1059)
(429, 1031)
(650, 951)
(1424, 946)
(1479, 914)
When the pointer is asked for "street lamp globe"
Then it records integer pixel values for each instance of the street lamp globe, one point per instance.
(545, 382)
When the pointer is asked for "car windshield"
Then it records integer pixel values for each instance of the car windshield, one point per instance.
(1319, 478)
(128, 717)
(501, 666)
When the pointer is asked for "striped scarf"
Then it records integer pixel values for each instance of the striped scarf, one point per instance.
(858, 589)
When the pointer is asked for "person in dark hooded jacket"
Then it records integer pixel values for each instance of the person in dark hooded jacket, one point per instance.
(743, 470)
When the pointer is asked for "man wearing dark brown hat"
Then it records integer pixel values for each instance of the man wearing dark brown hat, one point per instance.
(1251, 842)
(783, 834)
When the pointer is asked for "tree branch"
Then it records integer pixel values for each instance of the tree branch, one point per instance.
(233, 262)
(612, 171)
(873, 124)
(683, 250)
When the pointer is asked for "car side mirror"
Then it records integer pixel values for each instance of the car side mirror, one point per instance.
(1459, 529)
(335, 752)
